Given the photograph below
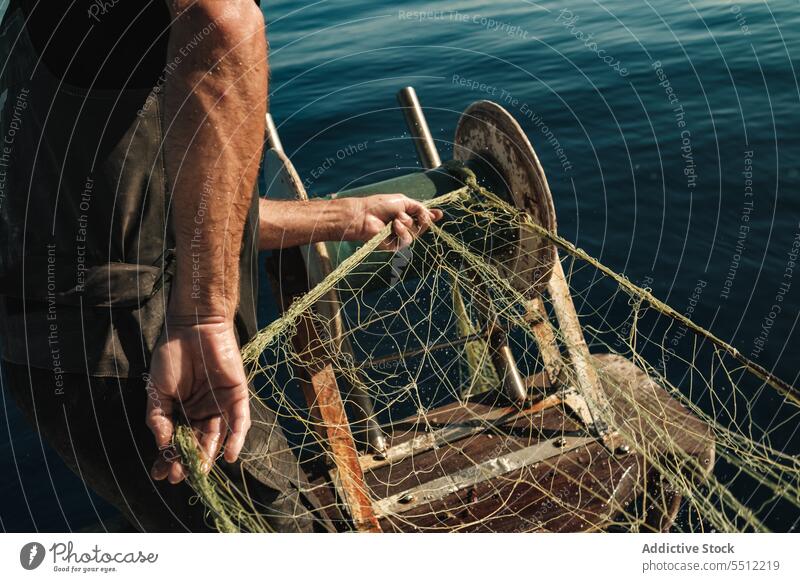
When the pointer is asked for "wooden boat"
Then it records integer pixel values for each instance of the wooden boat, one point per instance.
(540, 455)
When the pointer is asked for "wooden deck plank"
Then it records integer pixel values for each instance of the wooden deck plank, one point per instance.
(581, 490)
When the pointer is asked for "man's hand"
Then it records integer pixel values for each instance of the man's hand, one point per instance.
(197, 374)
(285, 223)
(409, 219)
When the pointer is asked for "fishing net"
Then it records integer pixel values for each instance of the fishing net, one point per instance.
(663, 426)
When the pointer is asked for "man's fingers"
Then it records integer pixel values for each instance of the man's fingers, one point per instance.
(420, 212)
(407, 221)
(176, 473)
(403, 235)
(423, 217)
(424, 221)
(159, 420)
(239, 422)
(414, 207)
(161, 425)
(209, 434)
(161, 465)
(158, 416)
(417, 225)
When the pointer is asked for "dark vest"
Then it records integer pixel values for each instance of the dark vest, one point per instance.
(86, 239)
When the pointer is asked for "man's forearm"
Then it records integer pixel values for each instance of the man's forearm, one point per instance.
(215, 107)
(284, 223)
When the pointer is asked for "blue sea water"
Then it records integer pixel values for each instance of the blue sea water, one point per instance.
(668, 131)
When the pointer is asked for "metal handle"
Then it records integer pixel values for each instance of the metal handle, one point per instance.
(273, 139)
(506, 366)
(418, 128)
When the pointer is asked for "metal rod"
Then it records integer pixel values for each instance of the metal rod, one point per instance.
(506, 366)
(273, 139)
(418, 128)
(365, 418)
(512, 382)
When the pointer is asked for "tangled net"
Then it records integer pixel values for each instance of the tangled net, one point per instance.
(685, 434)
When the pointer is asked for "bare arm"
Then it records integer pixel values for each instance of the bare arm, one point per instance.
(215, 107)
(291, 223)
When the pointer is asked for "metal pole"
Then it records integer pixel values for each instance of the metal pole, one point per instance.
(418, 128)
(503, 359)
(273, 139)
(506, 366)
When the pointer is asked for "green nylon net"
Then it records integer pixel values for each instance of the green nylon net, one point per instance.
(698, 438)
